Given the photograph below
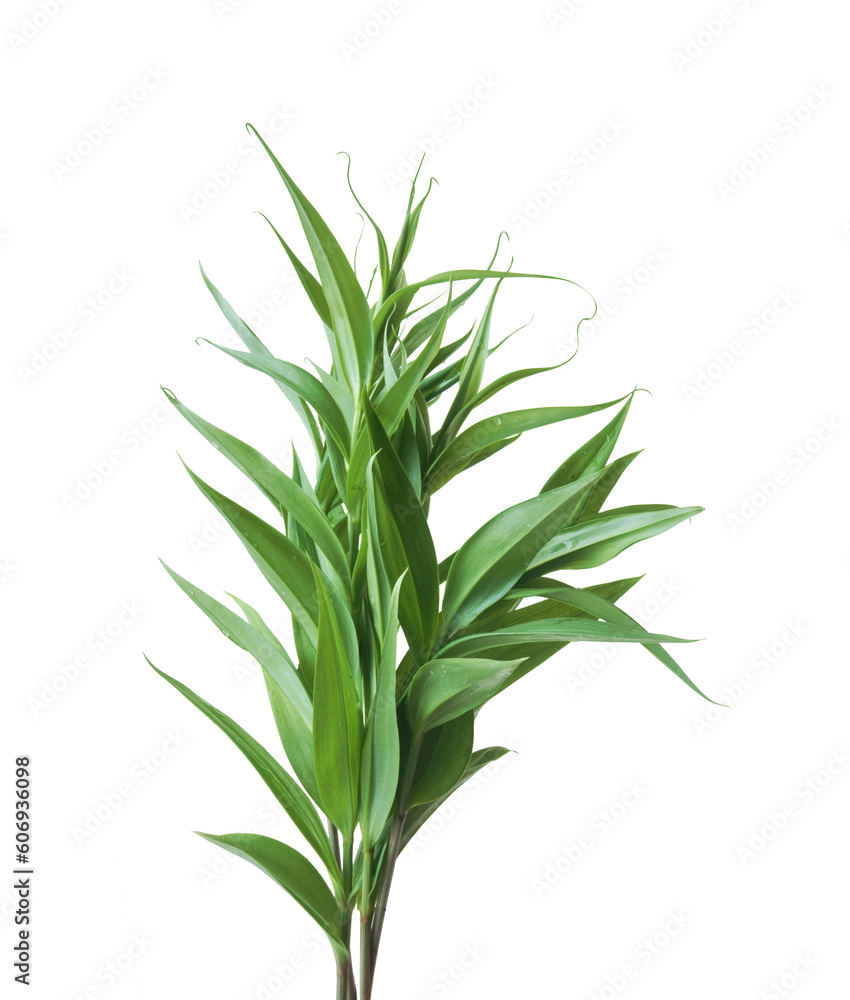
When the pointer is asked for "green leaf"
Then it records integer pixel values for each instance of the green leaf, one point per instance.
(593, 455)
(486, 433)
(447, 687)
(418, 816)
(394, 402)
(490, 562)
(295, 731)
(306, 386)
(399, 302)
(443, 757)
(308, 282)
(592, 542)
(380, 768)
(256, 346)
(285, 567)
(600, 607)
(286, 496)
(351, 318)
(383, 253)
(470, 378)
(406, 542)
(554, 630)
(337, 719)
(292, 872)
(298, 806)
(252, 637)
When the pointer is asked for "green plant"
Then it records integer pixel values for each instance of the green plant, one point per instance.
(376, 736)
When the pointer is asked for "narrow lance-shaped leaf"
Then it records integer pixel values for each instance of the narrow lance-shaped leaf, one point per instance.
(418, 816)
(407, 542)
(297, 805)
(295, 736)
(593, 455)
(291, 705)
(306, 386)
(380, 770)
(554, 630)
(489, 563)
(286, 495)
(285, 567)
(292, 872)
(337, 719)
(309, 283)
(601, 607)
(486, 433)
(256, 346)
(351, 318)
(590, 543)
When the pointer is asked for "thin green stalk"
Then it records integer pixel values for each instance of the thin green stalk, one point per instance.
(347, 972)
(366, 966)
(392, 853)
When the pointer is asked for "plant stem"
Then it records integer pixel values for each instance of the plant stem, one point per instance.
(392, 853)
(366, 967)
(346, 973)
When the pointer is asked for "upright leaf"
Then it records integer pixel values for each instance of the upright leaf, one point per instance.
(337, 720)
(351, 318)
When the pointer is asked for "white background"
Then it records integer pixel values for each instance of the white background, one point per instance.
(740, 207)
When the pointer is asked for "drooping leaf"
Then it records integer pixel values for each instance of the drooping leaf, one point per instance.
(418, 816)
(306, 386)
(443, 757)
(601, 607)
(292, 872)
(285, 567)
(295, 802)
(286, 496)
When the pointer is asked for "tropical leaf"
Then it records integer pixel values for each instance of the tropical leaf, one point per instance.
(298, 806)
(292, 872)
